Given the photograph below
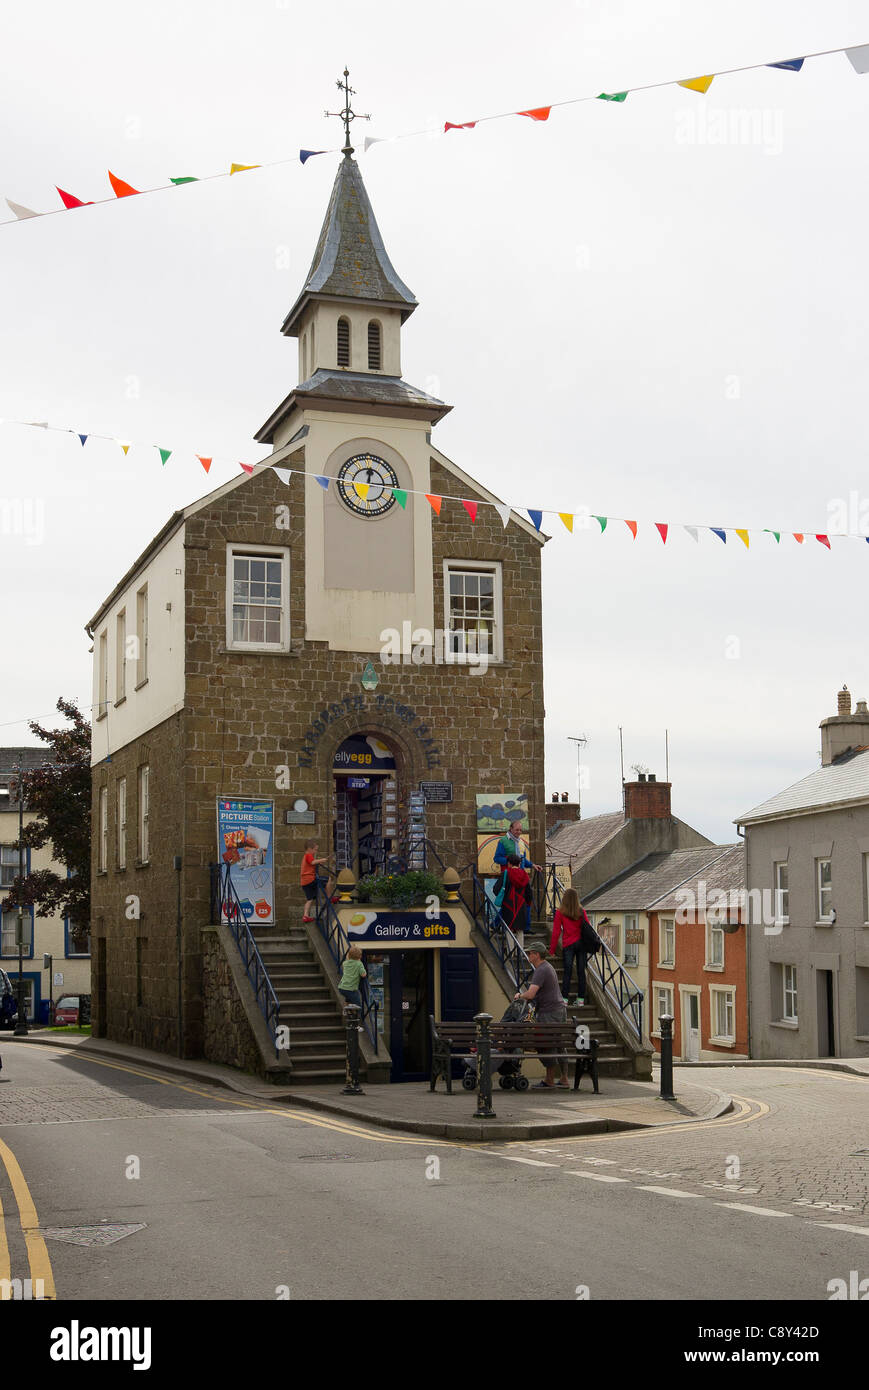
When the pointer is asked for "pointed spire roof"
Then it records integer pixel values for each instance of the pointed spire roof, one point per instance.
(350, 260)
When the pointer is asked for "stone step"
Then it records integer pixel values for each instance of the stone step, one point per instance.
(325, 1060)
(298, 1009)
(304, 1076)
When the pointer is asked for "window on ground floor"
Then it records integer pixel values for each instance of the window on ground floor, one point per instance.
(723, 1003)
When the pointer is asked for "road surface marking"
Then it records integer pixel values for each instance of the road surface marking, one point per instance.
(5, 1266)
(37, 1254)
(755, 1211)
(667, 1191)
(595, 1177)
(514, 1158)
(832, 1226)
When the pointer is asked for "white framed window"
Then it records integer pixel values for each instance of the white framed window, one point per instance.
(722, 1013)
(473, 616)
(662, 999)
(141, 635)
(8, 865)
(780, 886)
(122, 824)
(632, 948)
(714, 942)
(866, 889)
(824, 880)
(120, 656)
(257, 598)
(103, 675)
(144, 842)
(667, 941)
(104, 828)
(8, 933)
(789, 993)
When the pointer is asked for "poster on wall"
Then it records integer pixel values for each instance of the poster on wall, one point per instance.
(495, 813)
(245, 834)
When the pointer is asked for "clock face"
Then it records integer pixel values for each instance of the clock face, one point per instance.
(365, 484)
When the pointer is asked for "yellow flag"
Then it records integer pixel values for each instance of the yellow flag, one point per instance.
(237, 168)
(125, 447)
(567, 518)
(697, 84)
(743, 536)
(362, 489)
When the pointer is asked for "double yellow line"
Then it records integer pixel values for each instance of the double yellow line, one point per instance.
(37, 1254)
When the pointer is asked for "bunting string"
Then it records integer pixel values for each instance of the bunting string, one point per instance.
(858, 56)
(573, 521)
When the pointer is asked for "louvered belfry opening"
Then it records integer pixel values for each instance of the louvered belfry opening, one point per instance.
(343, 343)
(373, 346)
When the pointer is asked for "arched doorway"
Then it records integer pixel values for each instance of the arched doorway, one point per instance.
(366, 770)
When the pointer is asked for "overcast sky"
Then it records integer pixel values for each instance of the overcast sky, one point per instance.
(623, 314)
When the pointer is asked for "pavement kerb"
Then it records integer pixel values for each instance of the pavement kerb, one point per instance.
(816, 1063)
(465, 1129)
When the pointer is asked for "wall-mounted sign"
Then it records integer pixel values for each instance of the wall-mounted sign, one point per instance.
(358, 784)
(363, 753)
(497, 812)
(635, 936)
(437, 791)
(410, 928)
(299, 817)
(368, 679)
(244, 842)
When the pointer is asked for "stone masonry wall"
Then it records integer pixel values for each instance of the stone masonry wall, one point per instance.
(226, 1033)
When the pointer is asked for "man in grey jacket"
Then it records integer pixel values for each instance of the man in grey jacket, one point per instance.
(550, 1007)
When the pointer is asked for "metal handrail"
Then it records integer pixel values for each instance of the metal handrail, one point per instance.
(338, 943)
(499, 936)
(619, 988)
(226, 908)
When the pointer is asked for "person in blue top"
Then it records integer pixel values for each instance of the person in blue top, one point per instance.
(511, 843)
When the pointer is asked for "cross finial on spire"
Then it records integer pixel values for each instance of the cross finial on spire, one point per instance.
(348, 114)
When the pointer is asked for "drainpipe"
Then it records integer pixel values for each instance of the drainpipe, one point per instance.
(741, 833)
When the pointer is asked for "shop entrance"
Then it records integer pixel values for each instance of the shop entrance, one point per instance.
(368, 810)
(411, 1000)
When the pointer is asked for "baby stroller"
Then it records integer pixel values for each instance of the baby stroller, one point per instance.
(510, 1070)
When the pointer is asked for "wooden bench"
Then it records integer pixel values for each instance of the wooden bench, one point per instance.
(511, 1042)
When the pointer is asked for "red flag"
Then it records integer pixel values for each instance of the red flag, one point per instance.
(435, 502)
(463, 125)
(206, 463)
(537, 113)
(798, 536)
(121, 189)
(632, 527)
(70, 201)
(248, 467)
(663, 527)
(825, 540)
(471, 509)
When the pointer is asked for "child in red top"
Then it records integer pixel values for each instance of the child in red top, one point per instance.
(308, 877)
(569, 920)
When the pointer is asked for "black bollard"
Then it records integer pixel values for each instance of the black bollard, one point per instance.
(666, 1025)
(484, 1109)
(352, 1015)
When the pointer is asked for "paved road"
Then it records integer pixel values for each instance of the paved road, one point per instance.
(233, 1198)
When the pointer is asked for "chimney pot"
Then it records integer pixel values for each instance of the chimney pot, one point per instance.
(555, 796)
(564, 796)
(844, 700)
(862, 708)
(652, 777)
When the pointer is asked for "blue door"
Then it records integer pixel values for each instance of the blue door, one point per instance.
(411, 1000)
(460, 990)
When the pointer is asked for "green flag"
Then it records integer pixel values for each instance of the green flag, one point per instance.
(602, 521)
(400, 495)
(189, 179)
(165, 455)
(777, 534)
(611, 96)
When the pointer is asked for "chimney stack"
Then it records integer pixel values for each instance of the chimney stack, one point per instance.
(647, 798)
(844, 730)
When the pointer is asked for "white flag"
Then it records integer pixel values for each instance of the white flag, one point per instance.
(859, 58)
(692, 532)
(503, 511)
(284, 474)
(20, 212)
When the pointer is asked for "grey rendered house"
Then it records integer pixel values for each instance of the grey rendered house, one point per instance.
(807, 872)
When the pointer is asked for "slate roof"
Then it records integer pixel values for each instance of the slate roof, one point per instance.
(724, 875)
(575, 843)
(350, 260)
(30, 758)
(843, 781)
(356, 388)
(653, 878)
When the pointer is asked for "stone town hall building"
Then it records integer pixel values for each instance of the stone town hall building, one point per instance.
(258, 610)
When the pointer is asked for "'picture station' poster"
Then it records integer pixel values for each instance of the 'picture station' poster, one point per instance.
(245, 830)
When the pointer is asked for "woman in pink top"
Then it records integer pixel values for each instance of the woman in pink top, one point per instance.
(569, 920)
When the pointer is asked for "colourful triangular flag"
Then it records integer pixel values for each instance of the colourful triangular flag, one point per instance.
(602, 521)
(692, 532)
(21, 213)
(70, 201)
(284, 474)
(825, 540)
(121, 189)
(84, 439)
(400, 495)
(717, 531)
(305, 155)
(662, 528)
(697, 84)
(248, 467)
(537, 113)
(165, 455)
(206, 463)
(632, 527)
(743, 536)
(792, 64)
(435, 503)
(611, 96)
(323, 481)
(240, 168)
(187, 178)
(859, 57)
(503, 510)
(567, 518)
(370, 140)
(777, 534)
(362, 490)
(462, 125)
(536, 518)
(798, 537)
(471, 509)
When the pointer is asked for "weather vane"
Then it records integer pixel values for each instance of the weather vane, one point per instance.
(348, 114)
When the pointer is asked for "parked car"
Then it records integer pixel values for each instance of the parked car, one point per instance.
(8, 1002)
(66, 1010)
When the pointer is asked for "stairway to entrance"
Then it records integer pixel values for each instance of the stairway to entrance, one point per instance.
(614, 1056)
(307, 1006)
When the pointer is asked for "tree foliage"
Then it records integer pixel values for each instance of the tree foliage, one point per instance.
(59, 793)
